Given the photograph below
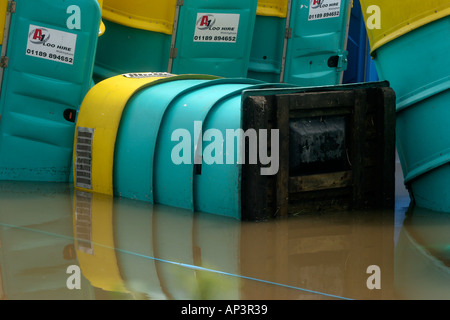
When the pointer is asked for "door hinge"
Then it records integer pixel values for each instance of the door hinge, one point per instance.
(11, 7)
(4, 61)
(173, 53)
(288, 33)
(180, 3)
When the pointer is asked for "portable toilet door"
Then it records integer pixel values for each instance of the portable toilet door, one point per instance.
(213, 37)
(311, 45)
(47, 63)
(316, 50)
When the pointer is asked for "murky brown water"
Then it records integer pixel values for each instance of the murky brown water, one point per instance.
(131, 250)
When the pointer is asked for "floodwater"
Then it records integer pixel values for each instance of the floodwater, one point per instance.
(56, 243)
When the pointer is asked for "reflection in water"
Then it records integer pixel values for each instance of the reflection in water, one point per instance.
(132, 250)
(422, 269)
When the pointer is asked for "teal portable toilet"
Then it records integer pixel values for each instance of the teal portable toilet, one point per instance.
(192, 36)
(309, 38)
(410, 48)
(270, 26)
(47, 63)
(137, 37)
(163, 109)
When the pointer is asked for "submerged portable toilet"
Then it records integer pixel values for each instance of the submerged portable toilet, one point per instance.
(191, 36)
(161, 109)
(410, 46)
(47, 59)
(185, 141)
(309, 42)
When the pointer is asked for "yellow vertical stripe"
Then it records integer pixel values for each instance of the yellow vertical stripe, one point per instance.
(3, 8)
(101, 110)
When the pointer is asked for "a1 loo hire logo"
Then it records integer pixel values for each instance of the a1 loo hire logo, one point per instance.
(39, 36)
(316, 3)
(216, 27)
(206, 21)
(51, 44)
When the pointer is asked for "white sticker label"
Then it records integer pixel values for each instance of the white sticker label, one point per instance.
(324, 9)
(216, 27)
(51, 44)
(142, 75)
